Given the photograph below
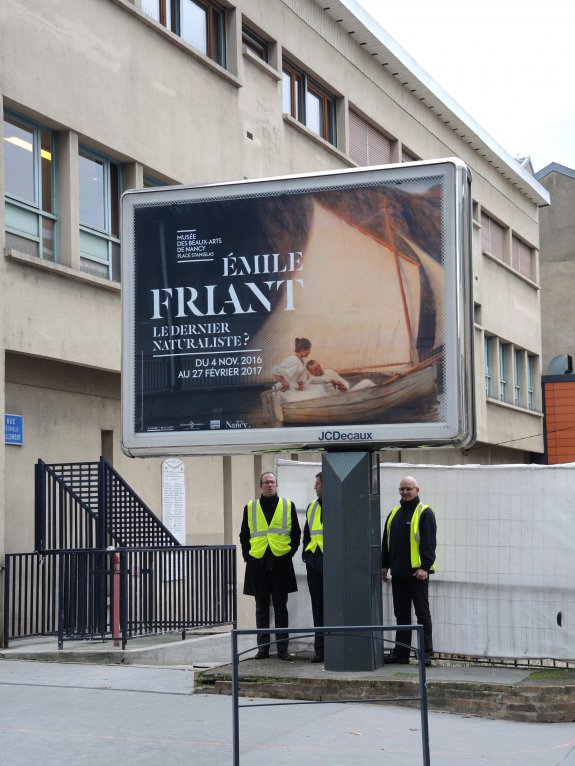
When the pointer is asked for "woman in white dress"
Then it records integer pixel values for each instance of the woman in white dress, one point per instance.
(291, 373)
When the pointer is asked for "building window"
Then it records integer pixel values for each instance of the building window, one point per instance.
(29, 182)
(492, 237)
(367, 146)
(292, 94)
(255, 44)
(488, 366)
(200, 23)
(521, 257)
(407, 156)
(160, 10)
(503, 371)
(518, 375)
(309, 103)
(531, 361)
(99, 201)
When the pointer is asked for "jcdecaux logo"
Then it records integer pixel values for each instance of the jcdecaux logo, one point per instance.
(336, 436)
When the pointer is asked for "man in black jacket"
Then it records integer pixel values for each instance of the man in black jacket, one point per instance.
(408, 551)
(270, 536)
(313, 558)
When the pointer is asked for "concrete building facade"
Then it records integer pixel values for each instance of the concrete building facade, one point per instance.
(100, 96)
(557, 268)
(557, 264)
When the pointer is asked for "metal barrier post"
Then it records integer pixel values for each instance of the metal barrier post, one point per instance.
(123, 596)
(6, 601)
(234, 590)
(39, 506)
(235, 700)
(61, 588)
(116, 598)
(102, 518)
(423, 691)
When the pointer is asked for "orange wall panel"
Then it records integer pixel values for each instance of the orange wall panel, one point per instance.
(560, 421)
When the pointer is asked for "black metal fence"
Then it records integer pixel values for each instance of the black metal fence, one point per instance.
(118, 594)
(89, 505)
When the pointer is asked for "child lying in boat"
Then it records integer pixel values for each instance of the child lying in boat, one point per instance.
(331, 380)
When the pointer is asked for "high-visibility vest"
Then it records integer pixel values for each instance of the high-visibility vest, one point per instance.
(414, 536)
(315, 525)
(277, 535)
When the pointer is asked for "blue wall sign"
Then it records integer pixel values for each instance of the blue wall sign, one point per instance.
(13, 429)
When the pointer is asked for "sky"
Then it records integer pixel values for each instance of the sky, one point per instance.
(510, 64)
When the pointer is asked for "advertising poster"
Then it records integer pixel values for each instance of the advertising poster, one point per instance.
(318, 303)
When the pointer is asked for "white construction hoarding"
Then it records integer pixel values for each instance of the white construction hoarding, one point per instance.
(505, 566)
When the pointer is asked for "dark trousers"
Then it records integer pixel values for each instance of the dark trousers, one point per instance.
(407, 590)
(315, 585)
(278, 598)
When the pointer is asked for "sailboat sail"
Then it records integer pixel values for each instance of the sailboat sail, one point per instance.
(351, 304)
(360, 305)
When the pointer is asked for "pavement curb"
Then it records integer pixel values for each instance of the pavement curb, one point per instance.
(524, 700)
(204, 649)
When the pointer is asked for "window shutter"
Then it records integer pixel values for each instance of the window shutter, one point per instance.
(357, 138)
(521, 257)
(378, 147)
(492, 237)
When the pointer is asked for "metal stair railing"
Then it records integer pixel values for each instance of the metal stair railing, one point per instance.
(89, 505)
(128, 519)
(65, 515)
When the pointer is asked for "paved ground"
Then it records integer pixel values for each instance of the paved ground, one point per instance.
(54, 713)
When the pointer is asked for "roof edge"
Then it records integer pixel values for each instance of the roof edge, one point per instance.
(355, 20)
(555, 167)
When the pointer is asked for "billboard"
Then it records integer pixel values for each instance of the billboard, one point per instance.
(306, 312)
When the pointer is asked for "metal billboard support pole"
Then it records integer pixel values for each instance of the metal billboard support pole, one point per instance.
(352, 565)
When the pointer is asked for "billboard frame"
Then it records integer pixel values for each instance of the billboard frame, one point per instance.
(456, 425)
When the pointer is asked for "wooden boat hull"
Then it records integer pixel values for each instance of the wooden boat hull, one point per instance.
(364, 405)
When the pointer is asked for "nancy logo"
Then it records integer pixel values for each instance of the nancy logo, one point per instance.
(335, 436)
(236, 423)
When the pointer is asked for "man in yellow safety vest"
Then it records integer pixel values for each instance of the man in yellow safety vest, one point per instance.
(408, 552)
(313, 558)
(269, 537)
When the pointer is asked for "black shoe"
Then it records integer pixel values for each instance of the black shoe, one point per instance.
(317, 658)
(285, 656)
(394, 660)
(263, 654)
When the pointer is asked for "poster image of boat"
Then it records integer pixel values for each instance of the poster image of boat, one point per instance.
(290, 308)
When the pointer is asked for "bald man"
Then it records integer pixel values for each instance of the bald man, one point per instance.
(408, 553)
